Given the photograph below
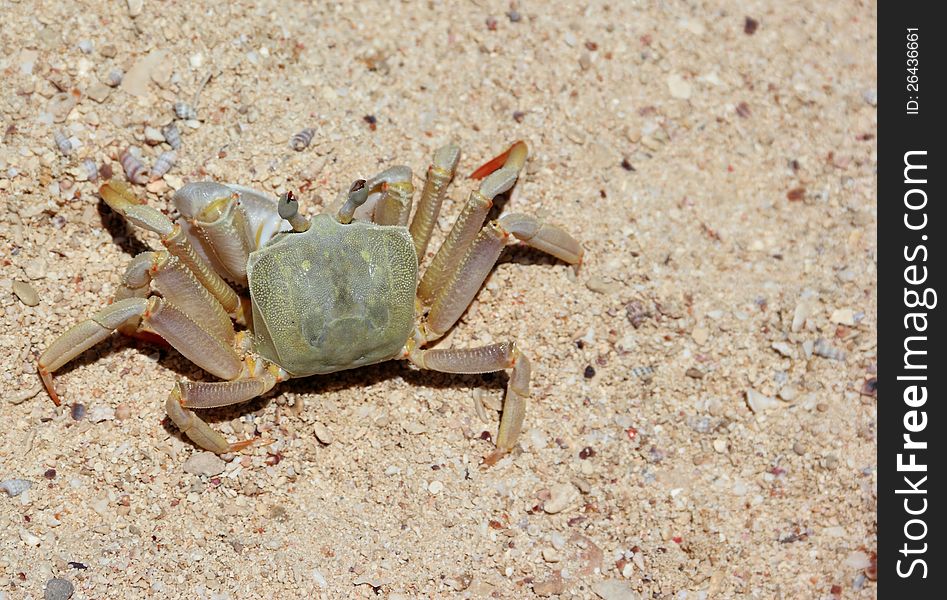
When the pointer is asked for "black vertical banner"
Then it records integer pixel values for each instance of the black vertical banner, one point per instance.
(912, 425)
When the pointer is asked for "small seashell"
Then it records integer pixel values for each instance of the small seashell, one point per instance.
(825, 350)
(301, 140)
(15, 487)
(63, 143)
(642, 372)
(90, 168)
(26, 293)
(759, 403)
(172, 135)
(185, 111)
(153, 136)
(163, 164)
(134, 169)
(114, 78)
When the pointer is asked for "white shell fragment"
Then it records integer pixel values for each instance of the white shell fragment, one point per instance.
(759, 403)
(15, 487)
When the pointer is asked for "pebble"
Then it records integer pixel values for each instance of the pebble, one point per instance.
(825, 350)
(122, 412)
(679, 87)
(77, 411)
(15, 487)
(204, 463)
(759, 402)
(24, 395)
(26, 293)
(435, 487)
(562, 496)
(558, 541)
(100, 91)
(598, 285)
(551, 555)
(323, 434)
(135, 7)
(58, 589)
(614, 589)
(60, 105)
(701, 335)
(28, 538)
(720, 446)
(799, 449)
(783, 348)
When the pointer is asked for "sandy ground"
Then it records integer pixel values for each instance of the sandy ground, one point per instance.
(718, 163)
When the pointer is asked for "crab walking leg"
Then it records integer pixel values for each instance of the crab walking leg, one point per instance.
(195, 343)
(548, 238)
(198, 394)
(453, 298)
(487, 359)
(120, 198)
(396, 189)
(465, 229)
(84, 335)
(439, 175)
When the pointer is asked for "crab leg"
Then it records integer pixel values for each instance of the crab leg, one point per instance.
(199, 394)
(487, 359)
(470, 221)
(393, 207)
(439, 175)
(453, 298)
(120, 198)
(195, 343)
(84, 335)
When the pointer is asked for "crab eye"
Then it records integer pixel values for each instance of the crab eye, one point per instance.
(288, 209)
(287, 206)
(358, 194)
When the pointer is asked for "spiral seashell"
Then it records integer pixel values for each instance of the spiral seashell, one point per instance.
(163, 164)
(90, 168)
(301, 140)
(134, 169)
(185, 111)
(172, 135)
(63, 143)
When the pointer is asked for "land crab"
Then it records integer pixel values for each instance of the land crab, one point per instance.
(325, 294)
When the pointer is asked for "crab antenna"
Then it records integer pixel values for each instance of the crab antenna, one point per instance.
(358, 194)
(288, 208)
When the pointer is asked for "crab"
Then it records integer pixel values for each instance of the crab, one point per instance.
(326, 294)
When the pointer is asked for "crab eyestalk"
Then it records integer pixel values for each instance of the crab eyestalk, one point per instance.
(288, 208)
(358, 194)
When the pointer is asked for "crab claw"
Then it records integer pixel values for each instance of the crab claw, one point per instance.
(514, 156)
